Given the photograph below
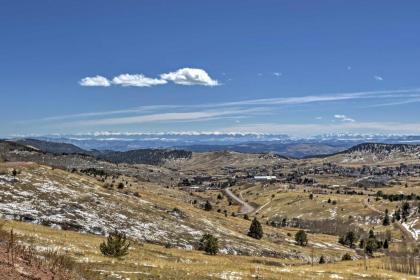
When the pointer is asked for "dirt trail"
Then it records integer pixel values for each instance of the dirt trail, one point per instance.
(245, 207)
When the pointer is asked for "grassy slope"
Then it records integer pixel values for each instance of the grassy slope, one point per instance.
(157, 262)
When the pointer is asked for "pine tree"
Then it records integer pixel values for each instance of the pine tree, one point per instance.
(397, 214)
(116, 245)
(209, 244)
(386, 245)
(321, 260)
(405, 210)
(385, 222)
(301, 238)
(208, 206)
(255, 230)
(350, 239)
(346, 257)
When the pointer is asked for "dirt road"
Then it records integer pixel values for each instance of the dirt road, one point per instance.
(245, 207)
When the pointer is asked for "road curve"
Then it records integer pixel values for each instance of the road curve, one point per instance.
(245, 207)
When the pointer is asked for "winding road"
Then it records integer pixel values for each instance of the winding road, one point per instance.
(246, 208)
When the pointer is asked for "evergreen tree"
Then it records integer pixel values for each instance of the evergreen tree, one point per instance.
(208, 206)
(321, 260)
(405, 210)
(371, 246)
(386, 245)
(385, 222)
(397, 214)
(346, 257)
(371, 243)
(362, 243)
(209, 244)
(116, 245)
(349, 239)
(301, 238)
(255, 230)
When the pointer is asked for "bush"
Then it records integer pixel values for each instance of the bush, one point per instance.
(209, 244)
(301, 238)
(255, 230)
(116, 245)
(346, 257)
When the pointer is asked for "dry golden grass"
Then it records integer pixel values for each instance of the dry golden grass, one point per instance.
(149, 261)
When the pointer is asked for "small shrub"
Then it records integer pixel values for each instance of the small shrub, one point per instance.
(116, 245)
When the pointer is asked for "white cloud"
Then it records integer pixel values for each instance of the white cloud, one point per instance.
(190, 76)
(378, 78)
(97, 81)
(344, 118)
(136, 80)
(319, 118)
(278, 74)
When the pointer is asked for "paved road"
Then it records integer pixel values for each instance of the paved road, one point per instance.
(245, 207)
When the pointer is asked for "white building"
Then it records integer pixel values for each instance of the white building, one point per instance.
(265, 178)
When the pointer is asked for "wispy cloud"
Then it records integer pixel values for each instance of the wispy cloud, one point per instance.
(395, 103)
(277, 74)
(378, 78)
(166, 117)
(343, 118)
(189, 77)
(408, 95)
(97, 81)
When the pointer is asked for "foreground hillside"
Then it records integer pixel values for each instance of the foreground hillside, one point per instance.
(148, 261)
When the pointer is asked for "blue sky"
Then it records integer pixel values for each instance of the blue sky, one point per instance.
(294, 67)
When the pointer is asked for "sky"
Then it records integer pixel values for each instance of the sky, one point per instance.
(289, 67)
